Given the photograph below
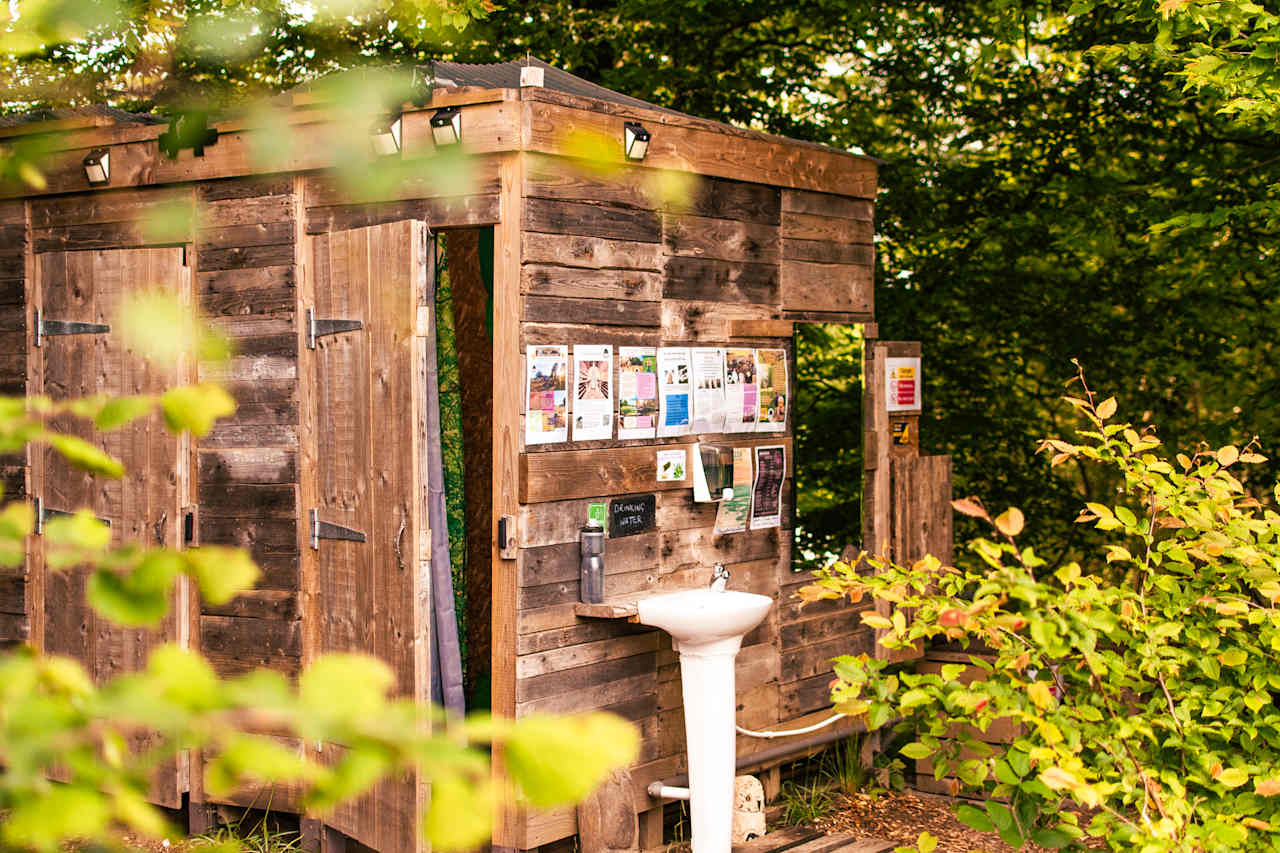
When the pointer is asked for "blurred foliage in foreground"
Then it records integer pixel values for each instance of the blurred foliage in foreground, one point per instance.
(104, 741)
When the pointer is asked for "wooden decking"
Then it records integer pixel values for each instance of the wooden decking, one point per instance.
(800, 839)
(795, 839)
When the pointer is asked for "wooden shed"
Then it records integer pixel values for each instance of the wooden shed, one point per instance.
(327, 297)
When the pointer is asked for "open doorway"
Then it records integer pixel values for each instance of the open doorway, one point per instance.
(829, 458)
(464, 307)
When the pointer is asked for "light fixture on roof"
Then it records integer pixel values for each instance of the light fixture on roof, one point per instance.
(386, 137)
(635, 140)
(97, 166)
(446, 126)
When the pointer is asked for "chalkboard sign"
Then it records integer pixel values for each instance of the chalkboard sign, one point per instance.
(629, 516)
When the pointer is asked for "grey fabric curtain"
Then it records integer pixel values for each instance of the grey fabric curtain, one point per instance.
(446, 653)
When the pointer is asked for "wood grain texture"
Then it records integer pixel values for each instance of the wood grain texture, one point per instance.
(508, 389)
(366, 422)
(144, 506)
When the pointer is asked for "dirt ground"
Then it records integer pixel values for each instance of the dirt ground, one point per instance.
(902, 816)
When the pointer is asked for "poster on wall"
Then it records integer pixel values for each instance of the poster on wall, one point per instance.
(741, 392)
(592, 415)
(674, 390)
(771, 373)
(708, 389)
(766, 492)
(903, 391)
(637, 392)
(546, 418)
(733, 514)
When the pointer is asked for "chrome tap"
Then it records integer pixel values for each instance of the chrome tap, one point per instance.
(719, 577)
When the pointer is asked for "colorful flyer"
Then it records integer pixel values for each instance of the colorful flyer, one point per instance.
(637, 392)
(708, 390)
(766, 492)
(902, 380)
(675, 391)
(546, 418)
(741, 393)
(671, 465)
(771, 371)
(592, 392)
(734, 513)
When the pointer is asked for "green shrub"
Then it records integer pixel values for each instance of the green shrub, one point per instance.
(1142, 684)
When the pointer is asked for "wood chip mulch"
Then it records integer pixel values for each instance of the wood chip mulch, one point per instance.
(902, 816)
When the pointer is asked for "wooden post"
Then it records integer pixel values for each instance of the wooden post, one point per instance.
(507, 387)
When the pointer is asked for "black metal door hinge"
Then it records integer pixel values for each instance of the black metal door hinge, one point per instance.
(319, 328)
(44, 513)
(50, 328)
(329, 530)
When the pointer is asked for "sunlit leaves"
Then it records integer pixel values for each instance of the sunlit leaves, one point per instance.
(85, 456)
(196, 407)
(1159, 647)
(44, 823)
(137, 598)
(561, 759)
(347, 686)
(221, 572)
(460, 816)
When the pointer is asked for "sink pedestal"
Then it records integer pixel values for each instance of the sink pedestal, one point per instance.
(706, 628)
(707, 682)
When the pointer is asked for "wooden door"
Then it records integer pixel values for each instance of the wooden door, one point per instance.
(371, 579)
(145, 505)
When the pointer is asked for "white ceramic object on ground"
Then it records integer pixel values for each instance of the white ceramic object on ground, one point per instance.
(748, 809)
(707, 627)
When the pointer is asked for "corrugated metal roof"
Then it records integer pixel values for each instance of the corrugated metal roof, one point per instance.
(506, 75)
(115, 116)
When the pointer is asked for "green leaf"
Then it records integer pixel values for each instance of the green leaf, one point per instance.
(196, 407)
(80, 530)
(460, 816)
(1000, 815)
(1233, 777)
(916, 751)
(252, 758)
(184, 677)
(927, 842)
(913, 698)
(61, 813)
(126, 602)
(560, 759)
(358, 771)
(1233, 657)
(1050, 839)
(975, 818)
(346, 686)
(119, 411)
(221, 572)
(875, 620)
(84, 455)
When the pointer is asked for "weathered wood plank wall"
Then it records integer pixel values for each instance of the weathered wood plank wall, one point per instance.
(607, 259)
(20, 583)
(248, 469)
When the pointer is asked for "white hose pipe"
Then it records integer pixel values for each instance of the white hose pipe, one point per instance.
(791, 732)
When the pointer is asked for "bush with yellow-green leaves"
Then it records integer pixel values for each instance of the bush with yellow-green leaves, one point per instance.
(1142, 683)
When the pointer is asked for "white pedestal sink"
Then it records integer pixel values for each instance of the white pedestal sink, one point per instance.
(706, 627)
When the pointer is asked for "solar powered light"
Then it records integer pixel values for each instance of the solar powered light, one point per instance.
(635, 140)
(446, 126)
(97, 166)
(386, 137)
